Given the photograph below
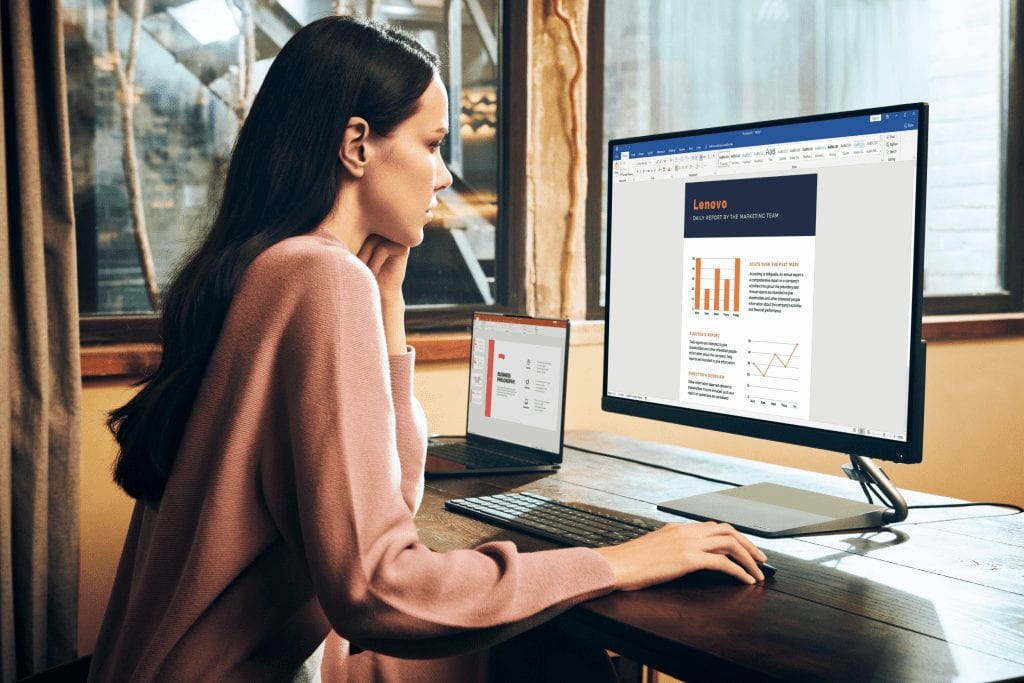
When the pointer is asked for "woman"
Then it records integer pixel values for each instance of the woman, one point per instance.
(277, 452)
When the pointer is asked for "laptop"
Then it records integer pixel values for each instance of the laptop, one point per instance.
(516, 408)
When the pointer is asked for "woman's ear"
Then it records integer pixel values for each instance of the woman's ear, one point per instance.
(353, 150)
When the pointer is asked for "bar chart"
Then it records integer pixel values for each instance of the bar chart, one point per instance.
(716, 285)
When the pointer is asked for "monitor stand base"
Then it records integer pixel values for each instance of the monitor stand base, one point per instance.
(775, 511)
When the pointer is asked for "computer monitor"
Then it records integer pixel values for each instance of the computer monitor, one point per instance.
(765, 279)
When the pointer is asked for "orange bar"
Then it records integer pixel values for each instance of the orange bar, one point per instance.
(696, 287)
(736, 288)
(718, 278)
(727, 283)
(707, 297)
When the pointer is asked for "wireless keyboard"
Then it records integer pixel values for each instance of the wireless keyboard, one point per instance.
(553, 520)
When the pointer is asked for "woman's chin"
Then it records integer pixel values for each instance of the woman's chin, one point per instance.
(415, 238)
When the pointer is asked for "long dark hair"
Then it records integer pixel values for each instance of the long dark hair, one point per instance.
(282, 180)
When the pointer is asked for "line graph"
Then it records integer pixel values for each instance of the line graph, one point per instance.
(776, 359)
(774, 376)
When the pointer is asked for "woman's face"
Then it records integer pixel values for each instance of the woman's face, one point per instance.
(401, 185)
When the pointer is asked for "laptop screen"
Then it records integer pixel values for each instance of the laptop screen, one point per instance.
(517, 380)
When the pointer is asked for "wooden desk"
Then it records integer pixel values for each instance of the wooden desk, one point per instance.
(925, 600)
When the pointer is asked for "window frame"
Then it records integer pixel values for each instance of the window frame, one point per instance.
(596, 146)
(510, 241)
(966, 316)
(1011, 299)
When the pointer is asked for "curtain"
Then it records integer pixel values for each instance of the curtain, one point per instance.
(40, 382)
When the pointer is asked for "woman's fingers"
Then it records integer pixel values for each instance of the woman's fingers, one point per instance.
(736, 553)
(378, 258)
(724, 529)
(376, 251)
(368, 248)
(737, 546)
(723, 564)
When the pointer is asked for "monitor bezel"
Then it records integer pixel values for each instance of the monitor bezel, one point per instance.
(909, 451)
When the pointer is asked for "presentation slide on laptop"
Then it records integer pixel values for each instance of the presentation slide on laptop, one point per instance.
(519, 383)
(516, 380)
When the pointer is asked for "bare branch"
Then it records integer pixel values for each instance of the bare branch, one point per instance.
(133, 41)
(125, 75)
(246, 57)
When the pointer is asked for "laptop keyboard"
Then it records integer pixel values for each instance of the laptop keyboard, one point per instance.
(477, 456)
(554, 520)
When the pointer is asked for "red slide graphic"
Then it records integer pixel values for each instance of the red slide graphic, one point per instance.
(490, 377)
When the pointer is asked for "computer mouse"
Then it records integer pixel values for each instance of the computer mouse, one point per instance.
(766, 569)
(707, 577)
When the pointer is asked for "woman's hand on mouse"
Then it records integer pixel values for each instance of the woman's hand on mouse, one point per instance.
(678, 549)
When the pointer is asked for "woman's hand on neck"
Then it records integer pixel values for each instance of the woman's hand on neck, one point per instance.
(387, 261)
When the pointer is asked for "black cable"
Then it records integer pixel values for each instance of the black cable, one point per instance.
(649, 464)
(864, 481)
(866, 490)
(869, 486)
(1010, 506)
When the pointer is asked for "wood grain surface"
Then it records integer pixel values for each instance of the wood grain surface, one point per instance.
(939, 597)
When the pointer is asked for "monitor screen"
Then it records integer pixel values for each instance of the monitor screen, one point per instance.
(765, 279)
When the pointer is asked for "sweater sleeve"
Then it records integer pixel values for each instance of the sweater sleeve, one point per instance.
(338, 486)
(410, 428)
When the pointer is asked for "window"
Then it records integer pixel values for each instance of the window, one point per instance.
(676, 66)
(197, 65)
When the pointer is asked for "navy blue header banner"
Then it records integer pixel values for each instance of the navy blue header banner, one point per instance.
(779, 206)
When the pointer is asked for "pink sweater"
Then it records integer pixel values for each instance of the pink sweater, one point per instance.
(289, 511)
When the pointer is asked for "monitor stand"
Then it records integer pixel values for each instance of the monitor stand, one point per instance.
(775, 511)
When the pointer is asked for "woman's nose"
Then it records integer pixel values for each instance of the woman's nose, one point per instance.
(444, 178)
